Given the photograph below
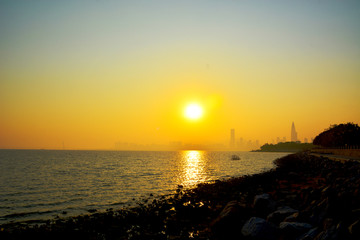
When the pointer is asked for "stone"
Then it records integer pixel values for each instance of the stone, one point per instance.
(293, 176)
(291, 230)
(292, 218)
(264, 204)
(328, 223)
(229, 220)
(329, 234)
(311, 234)
(259, 228)
(354, 229)
(280, 214)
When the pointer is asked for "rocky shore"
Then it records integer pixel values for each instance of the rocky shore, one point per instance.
(305, 197)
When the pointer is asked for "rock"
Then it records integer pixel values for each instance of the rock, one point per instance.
(354, 229)
(311, 234)
(292, 218)
(227, 224)
(319, 212)
(330, 234)
(280, 214)
(259, 228)
(264, 204)
(328, 223)
(293, 176)
(291, 230)
(356, 212)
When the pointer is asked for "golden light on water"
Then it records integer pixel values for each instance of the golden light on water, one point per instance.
(193, 167)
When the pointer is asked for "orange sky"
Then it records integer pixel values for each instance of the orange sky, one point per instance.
(92, 74)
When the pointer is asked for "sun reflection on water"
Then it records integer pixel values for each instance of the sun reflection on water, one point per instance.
(193, 168)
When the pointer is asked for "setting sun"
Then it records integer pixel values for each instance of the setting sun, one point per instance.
(193, 111)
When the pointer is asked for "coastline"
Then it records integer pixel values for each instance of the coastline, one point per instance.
(304, 195)
(355, 153)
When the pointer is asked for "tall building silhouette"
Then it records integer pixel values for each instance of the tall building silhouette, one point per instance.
(232, 138)
(293, 133)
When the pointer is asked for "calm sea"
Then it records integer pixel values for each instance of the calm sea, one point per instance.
(43, 184)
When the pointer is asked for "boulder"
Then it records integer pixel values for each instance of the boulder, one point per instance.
(329, 234)
(227, 224)
(354, 229)
(292, 218)
(310, 235)
(264, 204)
(290, 230)
(280, 214)
(259, 228)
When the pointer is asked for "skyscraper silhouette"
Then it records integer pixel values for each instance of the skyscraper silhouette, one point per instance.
(232, 138)
(293, 133)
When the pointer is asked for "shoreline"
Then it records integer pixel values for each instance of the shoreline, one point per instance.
(312, 193)
(75, 189)
(355, 153)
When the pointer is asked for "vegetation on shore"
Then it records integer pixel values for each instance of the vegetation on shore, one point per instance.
(305, 197)
(340, 136)
(285, 147)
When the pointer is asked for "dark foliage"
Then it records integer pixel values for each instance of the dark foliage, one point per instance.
(341, 135)
(286, 147)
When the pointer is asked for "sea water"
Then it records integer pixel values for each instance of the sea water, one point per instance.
(44, 184)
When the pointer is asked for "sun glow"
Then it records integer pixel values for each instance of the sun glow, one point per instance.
(193, 111)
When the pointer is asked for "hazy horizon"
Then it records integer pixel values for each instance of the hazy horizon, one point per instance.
(90, 74)
(240, 144)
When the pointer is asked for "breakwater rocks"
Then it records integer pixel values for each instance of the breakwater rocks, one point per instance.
(305, 197)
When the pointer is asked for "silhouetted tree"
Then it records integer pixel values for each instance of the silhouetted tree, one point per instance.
(286, 147)
(339, 136)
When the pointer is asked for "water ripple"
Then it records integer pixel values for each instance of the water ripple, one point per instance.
(38, 184)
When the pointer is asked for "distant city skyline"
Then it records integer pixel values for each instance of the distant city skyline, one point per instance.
(234, 143)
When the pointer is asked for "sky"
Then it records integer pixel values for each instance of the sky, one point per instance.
(88, 74)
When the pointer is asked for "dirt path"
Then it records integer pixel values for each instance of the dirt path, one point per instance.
(340, 158)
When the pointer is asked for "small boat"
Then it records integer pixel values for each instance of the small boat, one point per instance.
(235, 157)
